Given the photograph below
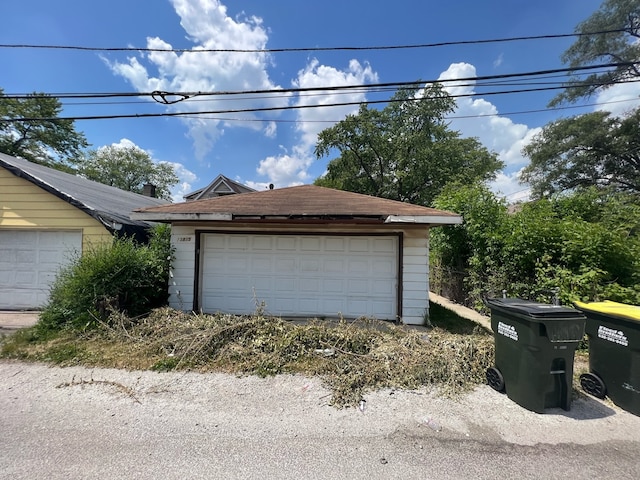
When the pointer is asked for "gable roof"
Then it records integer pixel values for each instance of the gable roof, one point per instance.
(109, 205)
(220, 185)
(302, 203)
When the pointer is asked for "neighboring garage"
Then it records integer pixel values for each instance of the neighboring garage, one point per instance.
(29, 262)
(303, 251)
(46, 216)
(298, 275)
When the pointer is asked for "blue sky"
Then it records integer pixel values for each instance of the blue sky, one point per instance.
(277, 147)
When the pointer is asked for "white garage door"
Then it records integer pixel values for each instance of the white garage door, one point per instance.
(300, 275)
(29, 262)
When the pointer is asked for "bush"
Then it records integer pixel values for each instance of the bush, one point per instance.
(124, 276)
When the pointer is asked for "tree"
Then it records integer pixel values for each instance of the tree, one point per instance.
(622, 47)
(594, 149)
(464, 258)
(585, 243)
(404, 152)
(53, 143)
(128, 168)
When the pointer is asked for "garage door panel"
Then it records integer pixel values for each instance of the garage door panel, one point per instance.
(310, 244)
(261, 284)
(383, 245)
(283, 284)
(360, 244)
(308, 285)
(261, 264)
(334, 266)
(359, 266)
(311, 275)
(30, 262)
(333, 286)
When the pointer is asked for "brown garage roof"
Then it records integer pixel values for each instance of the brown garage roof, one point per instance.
(302, 202)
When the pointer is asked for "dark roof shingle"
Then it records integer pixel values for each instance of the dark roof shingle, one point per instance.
(306, 201)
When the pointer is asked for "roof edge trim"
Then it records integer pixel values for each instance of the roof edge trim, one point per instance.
(427, 219)
(167, 217)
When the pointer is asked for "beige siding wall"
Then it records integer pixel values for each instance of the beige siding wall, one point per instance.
(25, 206)
(415, 262)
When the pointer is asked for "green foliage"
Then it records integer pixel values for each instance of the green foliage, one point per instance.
(404, 152)
(128, 168)
(594, 149)
(472, 247)
(123, 276)
(586, 244)
(620, 47)
(53, 143)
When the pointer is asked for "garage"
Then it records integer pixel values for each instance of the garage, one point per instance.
(305, 251)
(300, 275)
(29, 262)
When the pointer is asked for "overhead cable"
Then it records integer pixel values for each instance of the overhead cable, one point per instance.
(311, 49)
(164, 95)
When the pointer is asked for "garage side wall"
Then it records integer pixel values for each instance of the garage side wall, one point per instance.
(415, 277)
(182, 274)
(26, 206)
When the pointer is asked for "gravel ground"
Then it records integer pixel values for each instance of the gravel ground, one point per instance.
(238, 402)
(101, 423)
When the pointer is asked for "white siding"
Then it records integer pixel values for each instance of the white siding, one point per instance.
(181, 277)
(415, 276)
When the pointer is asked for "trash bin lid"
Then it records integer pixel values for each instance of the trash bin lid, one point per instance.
(631, 312)
(534, 309)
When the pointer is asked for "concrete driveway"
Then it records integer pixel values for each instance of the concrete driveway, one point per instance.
(10, 321)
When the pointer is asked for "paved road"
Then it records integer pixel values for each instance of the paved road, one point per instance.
(92, 424)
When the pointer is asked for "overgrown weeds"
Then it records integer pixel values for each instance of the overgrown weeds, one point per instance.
(352, 357)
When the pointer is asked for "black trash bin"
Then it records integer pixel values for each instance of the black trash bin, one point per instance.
(534, 348)
(613, 330)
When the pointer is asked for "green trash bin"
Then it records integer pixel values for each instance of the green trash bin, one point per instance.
(534, 349)
(613, 330)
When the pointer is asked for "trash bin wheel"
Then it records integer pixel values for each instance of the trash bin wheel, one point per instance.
(495, 379)
(593, 385)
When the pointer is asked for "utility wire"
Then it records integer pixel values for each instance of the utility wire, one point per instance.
(312, 49)
(263, 109)
(446, 117)
(396, 85)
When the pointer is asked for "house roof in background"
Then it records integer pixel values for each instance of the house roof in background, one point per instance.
(109, 205)
(220, 185)
(305, 202)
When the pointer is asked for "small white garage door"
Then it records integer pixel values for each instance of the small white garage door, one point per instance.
(300, 275)
(29, 262)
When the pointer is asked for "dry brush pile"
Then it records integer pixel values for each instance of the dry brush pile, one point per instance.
(352, 357)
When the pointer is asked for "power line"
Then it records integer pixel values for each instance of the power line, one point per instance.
(263, 109)
(192, 115)
(367, 87)
(311, 49)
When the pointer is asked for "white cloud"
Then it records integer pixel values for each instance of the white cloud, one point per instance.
(287, 169)
(506, 185)
(208, 26)
(185, 186)
(499, 134)
(292, 168)
(619, 99)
